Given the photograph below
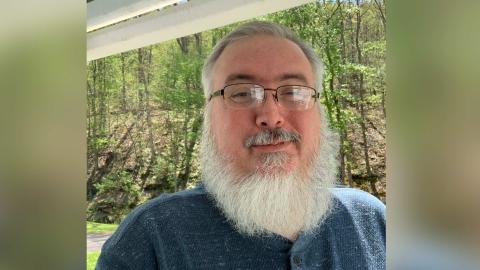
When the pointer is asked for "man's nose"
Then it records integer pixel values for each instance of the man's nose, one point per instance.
(269, 114)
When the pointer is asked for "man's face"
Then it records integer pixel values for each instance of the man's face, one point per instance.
(270, 62)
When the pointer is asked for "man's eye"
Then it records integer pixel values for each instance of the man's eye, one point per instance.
(292, 94)
(289, 93)
(240, 94)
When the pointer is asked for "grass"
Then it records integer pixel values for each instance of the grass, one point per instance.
(92, 258)
(93, 227)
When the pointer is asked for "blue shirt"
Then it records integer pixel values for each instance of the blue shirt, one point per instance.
(185, 230)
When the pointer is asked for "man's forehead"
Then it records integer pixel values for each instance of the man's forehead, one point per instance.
(249, 77)
(261, 45)
(263, 59)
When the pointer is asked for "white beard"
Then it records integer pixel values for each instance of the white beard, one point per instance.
(273, 202)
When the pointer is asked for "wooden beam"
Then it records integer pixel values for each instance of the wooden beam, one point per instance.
(102, 13)
(182, 20)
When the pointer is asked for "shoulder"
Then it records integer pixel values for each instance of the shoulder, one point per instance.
(167, 200)
(356, 214)
(163, 211)
(156, 219)
(356, 199)
(169, 205)
(359, 206)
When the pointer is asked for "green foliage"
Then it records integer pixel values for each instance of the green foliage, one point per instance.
(374, 99)
(94, 227)
(120, 182)
(100, 143)
(375, 47)
(355, 68)
(116, 196)
(145, 114)
(178, 100)
(92, 258)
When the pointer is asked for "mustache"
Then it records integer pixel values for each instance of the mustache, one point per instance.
(270, 136)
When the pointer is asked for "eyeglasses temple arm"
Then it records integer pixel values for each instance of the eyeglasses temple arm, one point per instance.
(216, 93)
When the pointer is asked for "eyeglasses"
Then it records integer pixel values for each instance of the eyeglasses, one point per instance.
(248, 95)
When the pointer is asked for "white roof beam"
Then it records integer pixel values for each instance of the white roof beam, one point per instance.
(182, 20)
(102, 13)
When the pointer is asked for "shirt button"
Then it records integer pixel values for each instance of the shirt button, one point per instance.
(297, 260)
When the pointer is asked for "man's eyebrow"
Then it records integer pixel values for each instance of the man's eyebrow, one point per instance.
(239, 76)
(248, 77)
(293, 76)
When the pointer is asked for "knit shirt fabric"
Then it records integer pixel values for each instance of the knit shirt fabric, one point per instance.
(186, 230)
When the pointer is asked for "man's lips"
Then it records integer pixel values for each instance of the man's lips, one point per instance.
(272, 137)
(273, 147)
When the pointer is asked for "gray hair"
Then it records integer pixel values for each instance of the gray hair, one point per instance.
(260, 28)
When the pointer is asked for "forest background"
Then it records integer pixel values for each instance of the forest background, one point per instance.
(145, 106)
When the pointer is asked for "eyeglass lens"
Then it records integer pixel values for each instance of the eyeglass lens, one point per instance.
(290, 96)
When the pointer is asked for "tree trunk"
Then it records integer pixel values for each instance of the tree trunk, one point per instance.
(184, 177)
(384, 110)
(91, 190)
(141, 79)
(145, 77)
(382, 14)
(362, 105)
(198, 42)
(123, 93)
(183, 44)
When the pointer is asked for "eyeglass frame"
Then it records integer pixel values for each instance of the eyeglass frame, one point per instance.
(221, 92)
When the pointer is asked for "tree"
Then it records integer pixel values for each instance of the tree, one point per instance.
(144, 115)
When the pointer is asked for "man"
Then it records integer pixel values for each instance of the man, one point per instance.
(269, 165)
